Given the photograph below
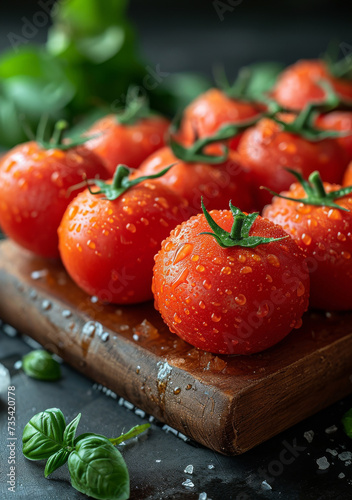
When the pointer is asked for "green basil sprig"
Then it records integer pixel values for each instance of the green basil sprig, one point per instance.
(96, 467)
(40, 364)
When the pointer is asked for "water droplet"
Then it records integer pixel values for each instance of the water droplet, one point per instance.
(194, 258)
(66, 313)
(105, 337)
(300, 289)
(177, 319)
(181, 278)
(138, 369)
(131, 227)
(346, 255)
(226, 270)
(241, 258)
(177, 390)
(72, 212)
(162, 201)
(341, 236)
(263, 310)
(334, 214)
(188, 387)
(127, 209)
(207, 285)
(240, 299)
(307, 240)
(216, 318)
(200, 268)
(182, 252)
(91, 244)
(273, 260)
(36, 275)
(246, 270)
(201, 305)
(228, 292)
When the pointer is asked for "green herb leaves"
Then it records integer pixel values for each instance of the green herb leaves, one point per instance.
(96, 467)
(347, 422)
(40, 364)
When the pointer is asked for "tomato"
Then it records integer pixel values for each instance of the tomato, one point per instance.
(324, 232)
(107, 245)
(298, 84)
(128, 137)
(206, 114)
(193, 176)
(34, 182)
(238, 299)
(267, 148)
(340, 121)
(347, 179)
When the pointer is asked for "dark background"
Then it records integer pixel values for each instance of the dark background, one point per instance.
(188, 35)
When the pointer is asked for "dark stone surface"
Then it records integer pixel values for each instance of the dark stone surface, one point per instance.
(157, 461)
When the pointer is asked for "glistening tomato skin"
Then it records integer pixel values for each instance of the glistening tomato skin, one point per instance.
(34, 186)
(208, 112)
(298, 84)
(217, 184)
(347, 178)
(325, 236)
(230, 300)
(266, 149)
(108, 247)
(127, 144)
(340, 121)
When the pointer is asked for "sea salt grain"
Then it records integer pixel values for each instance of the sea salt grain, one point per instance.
(331, 429)
(332, 452)
(309, 436)
(211, 466)
(266, 486)
(203, 496)
(323, 463)
(341, 475)
(189, 469)
(188, 483)
(345, 455)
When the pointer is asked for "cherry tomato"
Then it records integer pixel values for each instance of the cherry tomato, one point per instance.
(108, 245)
(267, 148)
(34, 184)
(127, 143)
(206, 114)
(324, 233)
(341, 121)
(235, 299)
(192, 180)
(298, 84)
(347, 179)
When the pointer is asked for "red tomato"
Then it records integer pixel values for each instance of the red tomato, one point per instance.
(107, 246)
(233, 300)
(340, 121)
(266, 149)
(324, 233)
(347, 179)
(297, 85)
(216, 183)
(34, 184)
(128, 144)
(206, 114)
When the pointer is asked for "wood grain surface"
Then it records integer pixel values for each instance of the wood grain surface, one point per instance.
(227, 403)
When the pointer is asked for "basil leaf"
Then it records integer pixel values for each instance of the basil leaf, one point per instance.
(70, 431)
(40, 364)
(43, 435)
(56, 461)
(347, 423)
(98, 469)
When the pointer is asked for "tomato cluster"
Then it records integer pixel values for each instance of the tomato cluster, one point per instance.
(138, 208)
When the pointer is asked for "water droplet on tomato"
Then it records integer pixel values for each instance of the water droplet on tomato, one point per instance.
(300, 289)
(91, 244)
(182, 252)
(341, 236)
(263, 310)
(240, 299)
(207, 285)
(273, 260)
(215, 317)
(145, 221)
(180, 279)
(246, 270)
(346, 255)
(241, 258)
(72, 212)
(200, 268)
(226, 270)
(131, 227)
(194, 258)
(177, 319)
(162, 201)
(201, 305)
(307, 240)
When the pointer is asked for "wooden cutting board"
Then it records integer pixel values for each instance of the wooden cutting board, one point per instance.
(229, 404)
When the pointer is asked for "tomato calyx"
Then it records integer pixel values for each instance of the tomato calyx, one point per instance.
(304, 123)
(239, 89)
(136, 108)
(195, 153)
(239, 234)
(316, 194)
(56, 140)
(338, 68)
(120, 182)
